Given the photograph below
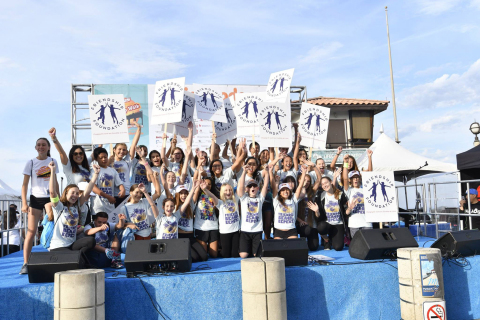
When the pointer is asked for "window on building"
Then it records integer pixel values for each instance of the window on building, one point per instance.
(336, 135)
(361, 126)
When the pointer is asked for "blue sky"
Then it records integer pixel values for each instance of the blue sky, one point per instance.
(338, 48)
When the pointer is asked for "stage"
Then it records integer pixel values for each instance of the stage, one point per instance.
(346, 289)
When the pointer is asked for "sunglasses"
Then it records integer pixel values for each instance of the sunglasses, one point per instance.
(78, 153)
(253, 186)
(252, 163)
(217, 166)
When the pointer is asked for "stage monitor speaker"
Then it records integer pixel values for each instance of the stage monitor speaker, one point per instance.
(294, 251)
(42, 266)
(157, 256)
(372, 244)
(459, 243)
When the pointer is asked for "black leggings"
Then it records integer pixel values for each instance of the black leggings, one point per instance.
(230, 243)
(311, 234)
(83, 245)
(336, 234)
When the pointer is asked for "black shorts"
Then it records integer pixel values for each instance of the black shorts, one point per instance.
(285, 234)
(206, 236)
(38, 203)
(249, 242)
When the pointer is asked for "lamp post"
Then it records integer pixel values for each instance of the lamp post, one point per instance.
(475, 129)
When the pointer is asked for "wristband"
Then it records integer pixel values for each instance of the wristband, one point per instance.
(55, 200)
(345, 165)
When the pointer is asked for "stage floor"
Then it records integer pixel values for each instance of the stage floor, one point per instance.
(346, 289)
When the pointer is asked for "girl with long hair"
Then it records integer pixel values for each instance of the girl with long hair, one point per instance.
(138, 209)
(122, 163)
(206, 221)
(66, 215)
(155, 162)
(39, 171)
(330, 213)
(222, 175)
(10, 221)
(183, 210)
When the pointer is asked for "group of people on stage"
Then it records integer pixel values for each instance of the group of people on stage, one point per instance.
(224, 204)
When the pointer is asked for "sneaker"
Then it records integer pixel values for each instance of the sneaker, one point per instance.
(328, 246)
(112, 254)
(24, 269)
(117, 264)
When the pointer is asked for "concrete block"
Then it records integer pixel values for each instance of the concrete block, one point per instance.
(275, 268)
(94, 313)
(77, 289)
(277, 305)
(253, 275)
(254, 306)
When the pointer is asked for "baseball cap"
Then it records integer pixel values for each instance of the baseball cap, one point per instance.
(353, 173)
(472, 191)
(83, 185)
(180, 188)
(251, 183)
(284, 185)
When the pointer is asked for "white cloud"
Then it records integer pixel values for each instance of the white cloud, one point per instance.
(445, 91)
(436, 7)
(475, 4)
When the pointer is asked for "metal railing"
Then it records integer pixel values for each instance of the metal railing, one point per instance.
(6, 233)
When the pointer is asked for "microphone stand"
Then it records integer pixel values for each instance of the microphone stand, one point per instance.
(417, 198)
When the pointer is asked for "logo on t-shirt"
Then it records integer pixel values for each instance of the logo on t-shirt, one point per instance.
(106, 183)
(139, 217)
(332, 210)
(43, 173)
(285, 214)
(252, 214)
(141, 174)
(360, 207)
(169, 229)
(231, 215)
(120, 169)
(101, 237)
(205, 204)
(71, 222)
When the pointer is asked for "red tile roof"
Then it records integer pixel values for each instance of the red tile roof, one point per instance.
(329, 101)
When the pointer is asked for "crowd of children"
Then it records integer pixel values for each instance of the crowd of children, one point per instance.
(224, 204)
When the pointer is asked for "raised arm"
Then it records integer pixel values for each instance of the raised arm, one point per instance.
(142, 188)
(345, 181)
(197, 192)
(265, 182)
(190, 134)
(295, 151)
(300, 183)
(274, 180)
(237, 165)
(52, 184)
(135, 139)
(162, 150)
(203, 185)
(63, 155)
(225, 150)
(186, 203)
(212, 147)
(334, 160)
(89, 188)
(241, 182)
(233, 145)
(183, 175)
(370, 163)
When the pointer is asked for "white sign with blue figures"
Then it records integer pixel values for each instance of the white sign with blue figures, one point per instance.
(313, 125)
(278, 87)
(275, 124)
(209, 103)
(380, 196)
(227, 131)
(246, 108)
(108, 118)
(168, 101)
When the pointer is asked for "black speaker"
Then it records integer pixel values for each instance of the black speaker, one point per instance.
(294, 251)
(459, 243)
(158, 255)
(372, 244)
(42, 266)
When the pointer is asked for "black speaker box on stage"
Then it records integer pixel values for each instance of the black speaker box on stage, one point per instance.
(42, 266)
(459, 243)
(372, 244)
(158, 255)
(294, 251)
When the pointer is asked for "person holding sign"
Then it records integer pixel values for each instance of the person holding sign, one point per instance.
(66, 215)
(227, 176)
(38, 194)
(331, 217)
(352, 182)
(122, 163)
(285, 207)
(251, 205)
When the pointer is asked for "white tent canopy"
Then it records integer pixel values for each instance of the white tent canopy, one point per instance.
(6, 190)
(390, 156)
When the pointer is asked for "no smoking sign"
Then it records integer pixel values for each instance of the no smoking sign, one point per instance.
(434, 310)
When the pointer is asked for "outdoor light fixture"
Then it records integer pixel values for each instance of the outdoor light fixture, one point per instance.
(475, 129)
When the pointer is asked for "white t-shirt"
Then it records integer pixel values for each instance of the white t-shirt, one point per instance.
(167, 227)
(328, 173)
(283, 174)
(285, 216)
(107, 179)
(227, 177)
(332, 209)
(40, 176)
(123, 168)
(205, 217)
(138, 213)
(175, 167)
(14, 236)
(102, 237)
(83, 214)
(184, 223)
(65, 230)
(75, 178)
(139, 174)
(356, 218)
(152, 188)
(228, 218)
(226, 163)
(252, 213)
